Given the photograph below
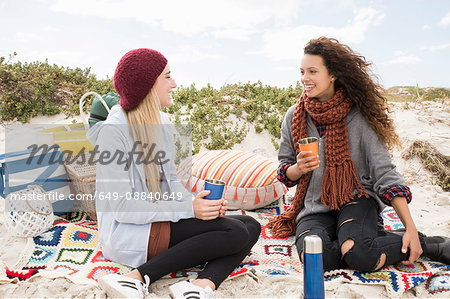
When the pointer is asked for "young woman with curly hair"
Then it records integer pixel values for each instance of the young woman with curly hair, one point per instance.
(340, 196)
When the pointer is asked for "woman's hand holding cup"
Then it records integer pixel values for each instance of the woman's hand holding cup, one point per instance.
(307, 162)
(205, 209)
(307, 159)
(209, 204)
(223, 208)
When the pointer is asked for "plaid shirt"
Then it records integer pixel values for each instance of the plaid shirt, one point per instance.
(387, 197)
(320, 128)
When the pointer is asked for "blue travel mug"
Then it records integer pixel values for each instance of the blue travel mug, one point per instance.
(313, 285)
(216, 188)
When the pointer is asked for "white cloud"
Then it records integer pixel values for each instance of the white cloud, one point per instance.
(189, 17)
(403, 57)
(52, 29)
(189, 54)
(356, 30)
(236, 34)
(27, 37)
(435, 47)
(284, 68)
(379, 19)
(445, 20)
(288, 43)
(426, 27)
(400, 53)
(407, 59)
(72, 58)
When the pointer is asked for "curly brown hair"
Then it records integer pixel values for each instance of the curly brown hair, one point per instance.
(353, 74)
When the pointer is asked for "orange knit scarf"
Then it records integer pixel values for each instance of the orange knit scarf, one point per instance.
(340, 178)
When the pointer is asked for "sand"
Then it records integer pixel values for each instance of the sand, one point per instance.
(421, 121)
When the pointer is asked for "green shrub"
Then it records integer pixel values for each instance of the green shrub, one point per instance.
(208, 111)
(27, 89)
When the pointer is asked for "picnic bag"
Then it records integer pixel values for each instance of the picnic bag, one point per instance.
(28, 212)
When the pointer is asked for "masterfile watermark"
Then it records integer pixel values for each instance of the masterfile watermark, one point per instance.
(104, 157)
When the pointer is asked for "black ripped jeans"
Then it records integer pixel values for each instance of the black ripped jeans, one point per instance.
(358, 221)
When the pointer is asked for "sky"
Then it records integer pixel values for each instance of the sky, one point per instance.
(229, 41)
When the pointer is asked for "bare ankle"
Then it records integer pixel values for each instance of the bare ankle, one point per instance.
(203, 283)
(135, 274)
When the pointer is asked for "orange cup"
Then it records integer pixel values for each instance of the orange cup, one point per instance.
(310, 144)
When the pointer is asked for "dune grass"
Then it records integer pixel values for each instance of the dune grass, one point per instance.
(434, 161)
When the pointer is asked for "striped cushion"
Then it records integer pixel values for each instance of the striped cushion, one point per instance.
(250, 180)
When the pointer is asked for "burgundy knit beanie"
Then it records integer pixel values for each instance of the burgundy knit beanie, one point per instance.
(136, 74)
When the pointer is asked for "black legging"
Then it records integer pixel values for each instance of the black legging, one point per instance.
(222, 242)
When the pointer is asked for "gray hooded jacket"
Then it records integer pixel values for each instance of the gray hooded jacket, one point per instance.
(125, 209)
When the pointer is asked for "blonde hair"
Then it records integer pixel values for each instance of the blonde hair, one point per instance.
(144, 123)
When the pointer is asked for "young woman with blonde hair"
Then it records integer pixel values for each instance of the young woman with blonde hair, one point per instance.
(147, 219)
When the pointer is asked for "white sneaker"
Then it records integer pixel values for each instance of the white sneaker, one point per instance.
(121, 286)
(187, 290)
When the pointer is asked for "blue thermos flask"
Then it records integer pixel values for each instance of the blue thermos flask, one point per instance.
(313, 286)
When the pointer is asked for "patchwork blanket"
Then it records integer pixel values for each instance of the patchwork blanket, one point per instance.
(71, 249)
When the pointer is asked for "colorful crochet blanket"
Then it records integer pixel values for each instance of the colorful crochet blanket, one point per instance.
(432, 277)
(71, 249)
